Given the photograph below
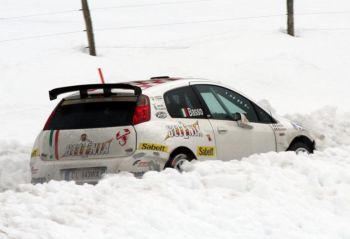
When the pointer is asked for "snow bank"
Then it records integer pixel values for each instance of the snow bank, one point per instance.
(329, 122)
(263, 196)
(273, 195)
(14, 164)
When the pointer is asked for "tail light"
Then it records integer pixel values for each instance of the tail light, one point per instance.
(48, 121)
(142, 111)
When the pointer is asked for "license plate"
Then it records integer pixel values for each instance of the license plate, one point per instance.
(78, 174)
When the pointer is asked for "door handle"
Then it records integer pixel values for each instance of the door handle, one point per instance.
(222, 130)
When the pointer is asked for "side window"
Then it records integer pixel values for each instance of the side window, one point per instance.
(230, 102)
(263, 116)
(216, 109)
(236, 103)
(183, 103)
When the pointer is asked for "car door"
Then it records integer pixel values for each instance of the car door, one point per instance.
(232, 140)
(189, 126)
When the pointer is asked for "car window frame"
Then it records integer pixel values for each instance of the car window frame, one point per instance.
(254, 105)
(203, 107)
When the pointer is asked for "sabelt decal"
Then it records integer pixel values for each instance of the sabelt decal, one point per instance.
(206, 151)
(35, 153)
(161, 115)
(86, 147)
(188, 112)
(184, 131)
(154, 147)
(122, 136)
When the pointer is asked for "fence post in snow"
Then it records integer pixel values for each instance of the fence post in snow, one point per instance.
(290, 21)
(89, 29)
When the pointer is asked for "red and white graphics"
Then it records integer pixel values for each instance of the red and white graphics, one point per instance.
(122, 136)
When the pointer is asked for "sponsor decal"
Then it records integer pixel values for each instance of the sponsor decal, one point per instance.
(34, 170)
(209, 137)
(147, 165)
(161, 115)
(154, 147)
(157, 98)
(188, 112)
(139, 155)
(184, 131)
(141, 164)
(43, 156)
(85, 147)
(35, 153)
(297, 126)
(278, 127)
(207, 151)
(129, 150)
(122, 136)
(159, 107)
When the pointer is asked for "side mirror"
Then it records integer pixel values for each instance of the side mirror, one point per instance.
(242, 120)
(236, 116)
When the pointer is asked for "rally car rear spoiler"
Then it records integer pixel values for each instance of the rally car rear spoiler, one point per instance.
(83, 89)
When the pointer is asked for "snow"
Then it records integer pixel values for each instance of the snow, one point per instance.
(273, 195)
(263, 196)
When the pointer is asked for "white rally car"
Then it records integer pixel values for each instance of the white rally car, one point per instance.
(154, 124)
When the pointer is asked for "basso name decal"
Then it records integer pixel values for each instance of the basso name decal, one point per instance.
(188, 112)
(153, 147)
(206, 151)
(185, 131)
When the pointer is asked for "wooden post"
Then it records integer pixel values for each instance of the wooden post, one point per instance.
(89, 29)
(290, 21)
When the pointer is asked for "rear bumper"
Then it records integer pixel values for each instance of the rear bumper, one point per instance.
(139, 163)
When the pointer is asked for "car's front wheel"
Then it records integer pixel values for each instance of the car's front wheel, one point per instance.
(301, 147)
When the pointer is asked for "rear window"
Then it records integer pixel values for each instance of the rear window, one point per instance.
(86, 115)
(183, 103)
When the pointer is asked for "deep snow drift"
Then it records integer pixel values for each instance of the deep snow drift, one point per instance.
(273, 195)
(267, 196)
(264, 196)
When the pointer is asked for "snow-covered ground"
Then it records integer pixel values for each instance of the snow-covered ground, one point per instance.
(234, 41)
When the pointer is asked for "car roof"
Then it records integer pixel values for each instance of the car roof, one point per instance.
(148, 86)
(161, 81)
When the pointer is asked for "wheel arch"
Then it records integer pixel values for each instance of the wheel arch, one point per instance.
(304, 139)
(181, 149)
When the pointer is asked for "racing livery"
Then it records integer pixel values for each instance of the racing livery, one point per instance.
(154, 124)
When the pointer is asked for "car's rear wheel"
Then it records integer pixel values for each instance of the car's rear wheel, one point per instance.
(177, 160)
(301, 147)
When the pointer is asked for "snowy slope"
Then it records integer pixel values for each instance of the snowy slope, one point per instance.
(234, 41)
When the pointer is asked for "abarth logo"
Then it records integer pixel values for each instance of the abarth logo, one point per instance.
(122, 136)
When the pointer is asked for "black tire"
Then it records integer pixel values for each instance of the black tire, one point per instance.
(177, 160)
(301, 147)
